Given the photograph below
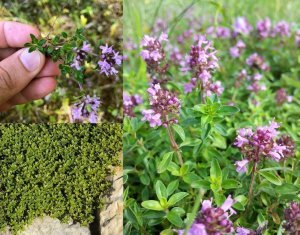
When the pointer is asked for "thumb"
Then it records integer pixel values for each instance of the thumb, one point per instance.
(17, 71)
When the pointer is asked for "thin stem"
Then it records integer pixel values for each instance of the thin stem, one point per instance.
(174, 145)
(194, 212)
(250, 194)
(156, 14)
(180, 16)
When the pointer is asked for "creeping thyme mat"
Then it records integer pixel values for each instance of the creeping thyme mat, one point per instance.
(56, 170)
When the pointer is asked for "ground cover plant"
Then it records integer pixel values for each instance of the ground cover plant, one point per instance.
(57, 170)
(211, 99)
(85, 38)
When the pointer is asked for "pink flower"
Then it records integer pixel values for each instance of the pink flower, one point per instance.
(242, 26)
(241, 166)
(263, 28)
(151, 117)
(242, 231)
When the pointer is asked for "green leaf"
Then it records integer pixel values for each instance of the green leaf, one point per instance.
(239, 206)
(160, 189)
(33, 38)
(179, 130)
(220, 129)
(175, 219)
(166, 232)
(227, 110)
(42, 42)
(271, 177)
(230, 184)
(201, 184)
(172, 187)
(287, 189)
(215, 171)
(144, 178)
(64, 34)
(152, 205)
(190, 178)
(205, 131)
(191, 142)
(165, 162)
(176, 198)
(179, 211)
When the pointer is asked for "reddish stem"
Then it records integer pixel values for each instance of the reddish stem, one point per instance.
(174, 144)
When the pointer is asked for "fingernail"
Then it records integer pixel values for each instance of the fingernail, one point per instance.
(30, 60)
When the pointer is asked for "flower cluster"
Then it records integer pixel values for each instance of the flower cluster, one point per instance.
(153, 52)
(213, 221)
(201, 61)
(255, 86)
(282, 97)
(219, 32)
(165, 107)
(263, 142)
(129, 102)
(86, 109)
(109, 61)
(256, 61)
(241, 26)
(240, 78)
(236, 50)
(81, 55)
(292, 219)
(184, 36)
(263, 28)
(281, 29)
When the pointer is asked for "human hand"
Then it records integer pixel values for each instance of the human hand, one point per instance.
(24, 76)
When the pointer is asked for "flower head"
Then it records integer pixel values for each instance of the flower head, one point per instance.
(81, 55)
(282, 29)
(86, 109)
(165, 107)
(109, 61)
(257, 61)
(244, 231)
(241, 166)
(263, 28)
(292, 219)
(201, 61)
(213, 220)
(153, 53)
(263, 142)
(236, 50)
(241, 26)
(282, 97)
(129, 102)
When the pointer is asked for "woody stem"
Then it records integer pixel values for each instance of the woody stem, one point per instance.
(174, 144)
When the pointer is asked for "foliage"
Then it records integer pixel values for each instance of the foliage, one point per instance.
(163, 196)
(101, 23)
(56, 170)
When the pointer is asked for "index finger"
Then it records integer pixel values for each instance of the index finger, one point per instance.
(14, 34)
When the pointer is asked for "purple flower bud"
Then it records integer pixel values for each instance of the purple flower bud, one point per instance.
(292, 219)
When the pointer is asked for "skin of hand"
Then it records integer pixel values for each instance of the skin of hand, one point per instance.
(24, 76)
